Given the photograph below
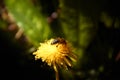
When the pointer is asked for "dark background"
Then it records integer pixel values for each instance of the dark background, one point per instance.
(16, 64)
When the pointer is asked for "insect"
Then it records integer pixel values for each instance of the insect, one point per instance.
(58, 40)
(55, 41)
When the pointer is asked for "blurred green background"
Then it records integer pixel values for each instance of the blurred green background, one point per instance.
(92, 27)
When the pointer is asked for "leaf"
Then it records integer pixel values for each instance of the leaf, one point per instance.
(30, 19)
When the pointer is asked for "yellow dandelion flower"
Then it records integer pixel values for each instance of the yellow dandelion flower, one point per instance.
(56, 53)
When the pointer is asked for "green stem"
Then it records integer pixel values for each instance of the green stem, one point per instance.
(57, 75)
(56, 72)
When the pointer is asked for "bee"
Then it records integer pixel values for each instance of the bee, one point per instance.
(55, 41)
(58, 40)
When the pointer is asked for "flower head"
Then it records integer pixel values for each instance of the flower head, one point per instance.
(56, 53)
